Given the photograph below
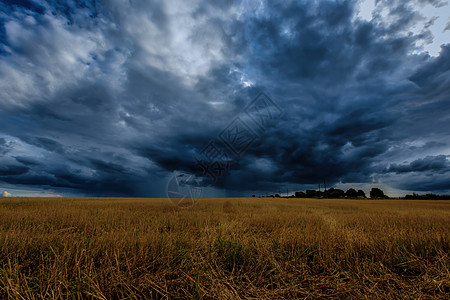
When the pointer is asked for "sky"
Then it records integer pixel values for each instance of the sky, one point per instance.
(119, 98)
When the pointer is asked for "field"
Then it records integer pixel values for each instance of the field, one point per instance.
(73, 248)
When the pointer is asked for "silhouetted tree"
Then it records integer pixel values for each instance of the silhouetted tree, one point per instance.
(277, 195)
(335, 193)
(311, 193)
(300, 195)
(428, 197)
(361, 194)
(376, 193)
(351, 193)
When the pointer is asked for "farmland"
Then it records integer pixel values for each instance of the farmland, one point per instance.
(117, 248)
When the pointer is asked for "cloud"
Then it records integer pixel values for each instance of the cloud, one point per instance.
(12, 170)
(5, 146)
(6, 194)
(436, 164)
(108, 98)
(45, 143)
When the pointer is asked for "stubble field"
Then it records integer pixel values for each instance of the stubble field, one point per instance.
(73, 248)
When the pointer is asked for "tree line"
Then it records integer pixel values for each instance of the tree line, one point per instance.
(351, 193)
(415, 196)
(375, 193)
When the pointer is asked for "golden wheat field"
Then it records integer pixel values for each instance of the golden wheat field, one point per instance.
(236, 248)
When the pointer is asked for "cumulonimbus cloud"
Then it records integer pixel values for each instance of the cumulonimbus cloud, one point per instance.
(108, 98)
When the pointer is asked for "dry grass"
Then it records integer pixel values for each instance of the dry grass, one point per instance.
(223, 249)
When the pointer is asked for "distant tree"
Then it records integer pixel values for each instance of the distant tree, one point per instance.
(428, 197)
(300, 195)
(376, 193)
(311, 193)
(253, 196)
(361, 194)
(351, 193)
(335, 193)
(277, 195)
(413, 196)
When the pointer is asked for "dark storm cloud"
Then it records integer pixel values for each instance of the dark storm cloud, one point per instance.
(439, 163)
(321, 54)
(426, 183)
(5, 147)
(433, 78)
(324, 56)
(106, 167)
(106, 98)
(27, 161)
(26, 4)
(45, 143)
(109, 179)
(12, 170)
(311, 45)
